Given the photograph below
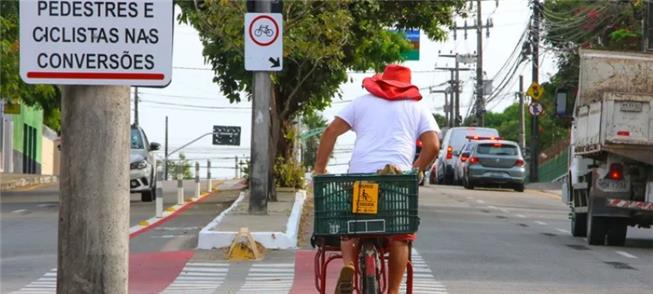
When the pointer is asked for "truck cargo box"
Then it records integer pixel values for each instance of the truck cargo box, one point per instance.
(614, 106)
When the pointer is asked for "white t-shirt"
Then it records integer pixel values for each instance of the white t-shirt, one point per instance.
(386, 132)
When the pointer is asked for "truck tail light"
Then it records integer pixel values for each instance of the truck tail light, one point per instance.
(616, 172)
(449, 152)
(473, 160)
(519, 162)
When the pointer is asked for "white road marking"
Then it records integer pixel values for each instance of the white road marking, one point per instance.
(470, 198)
(46, 284)
(269, 278)
(199, 277)
(480, 201)
(492, 207)
(541, 223)
(423, 280)
(563, 231)
(626, 254)
(504, 210)
(20, 211)
(520, 215)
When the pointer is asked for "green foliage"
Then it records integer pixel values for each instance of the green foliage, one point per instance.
(244, 169)
(182, 163)
(289, 173)
(322, 41)
(311, 121)
(12, 87)
(440, 119)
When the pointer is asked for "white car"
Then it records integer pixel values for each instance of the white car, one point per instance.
(142, 176)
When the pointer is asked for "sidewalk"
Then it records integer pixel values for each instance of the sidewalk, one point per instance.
(550, 188)
(10, 181)
(276, 230)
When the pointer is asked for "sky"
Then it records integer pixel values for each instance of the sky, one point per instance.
(193, 103)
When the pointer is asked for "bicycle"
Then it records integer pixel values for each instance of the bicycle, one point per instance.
(336, 217)
(263, 29)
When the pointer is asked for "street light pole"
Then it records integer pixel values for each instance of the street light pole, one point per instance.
(93, 239)
(260, 179)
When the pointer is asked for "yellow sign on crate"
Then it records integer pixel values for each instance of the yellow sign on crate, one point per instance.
(366, 198)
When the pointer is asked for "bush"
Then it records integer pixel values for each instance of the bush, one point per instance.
(289, 173)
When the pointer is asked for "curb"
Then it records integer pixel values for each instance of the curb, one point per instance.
(270, 240)
(18, 183)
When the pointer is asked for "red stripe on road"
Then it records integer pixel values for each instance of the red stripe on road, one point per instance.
(95, 75)
(304, 281)
(152, 272)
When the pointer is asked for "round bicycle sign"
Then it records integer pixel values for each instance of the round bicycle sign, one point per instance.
(263, 30)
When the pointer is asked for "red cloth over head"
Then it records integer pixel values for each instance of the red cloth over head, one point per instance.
(393, 84)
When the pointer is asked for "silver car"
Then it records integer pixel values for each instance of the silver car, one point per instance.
(494, 163)
(142, 177)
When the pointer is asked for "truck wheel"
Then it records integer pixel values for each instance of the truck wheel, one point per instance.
(617, 233)
(579, 224)
(596, 229)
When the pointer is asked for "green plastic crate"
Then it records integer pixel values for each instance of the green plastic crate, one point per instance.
(397, 205)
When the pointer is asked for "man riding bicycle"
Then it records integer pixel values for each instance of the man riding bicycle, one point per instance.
(387, 122)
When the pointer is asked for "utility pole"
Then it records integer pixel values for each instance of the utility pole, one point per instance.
(447, 104)
(455, 87)
(647, 28)
(135, 105)
(93, 241)
(535, 129)
(260, 147)
(480, 101)
(478, 26)
(522, 125)
(165, 152)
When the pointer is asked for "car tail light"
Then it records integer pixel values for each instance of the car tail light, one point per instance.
(497, 145)
(473, 160)
(623, 133)
(449, 152)
(616, 172)
(519, 162)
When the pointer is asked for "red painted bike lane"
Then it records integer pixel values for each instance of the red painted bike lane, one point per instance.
(151, 272)
(304, 281)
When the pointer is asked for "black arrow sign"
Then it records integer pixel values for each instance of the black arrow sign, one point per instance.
(275, 62)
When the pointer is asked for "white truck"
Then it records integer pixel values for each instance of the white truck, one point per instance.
(609, 186)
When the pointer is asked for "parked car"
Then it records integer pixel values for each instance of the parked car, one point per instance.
(142, 176)
(494, 163)
(453, 141)
(462, 157)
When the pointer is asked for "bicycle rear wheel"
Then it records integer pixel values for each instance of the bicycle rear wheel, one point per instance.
(368, 261)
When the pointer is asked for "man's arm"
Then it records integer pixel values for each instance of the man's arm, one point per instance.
(337, 127)
(430, 149)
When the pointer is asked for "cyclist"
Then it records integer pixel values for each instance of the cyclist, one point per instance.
(387, 122)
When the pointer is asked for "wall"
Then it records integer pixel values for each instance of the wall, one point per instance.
(27, 139)
(49, 152)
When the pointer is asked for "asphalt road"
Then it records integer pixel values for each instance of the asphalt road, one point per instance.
(28, 222)
(499, 241)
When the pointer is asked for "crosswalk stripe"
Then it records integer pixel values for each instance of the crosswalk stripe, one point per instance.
(198, 277)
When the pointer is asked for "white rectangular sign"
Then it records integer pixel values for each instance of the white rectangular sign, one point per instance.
(263, 42)
(87, 42)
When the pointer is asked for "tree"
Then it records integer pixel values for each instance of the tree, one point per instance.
(322, 41)
(312, 121)
(440, 119)
(12, 87)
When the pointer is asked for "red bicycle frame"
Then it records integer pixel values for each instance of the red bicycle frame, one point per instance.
(326, 254)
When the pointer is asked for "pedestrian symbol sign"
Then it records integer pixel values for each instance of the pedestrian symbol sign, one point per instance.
(365, 198)
(535, 91)
(535, 109)
(263, 42)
